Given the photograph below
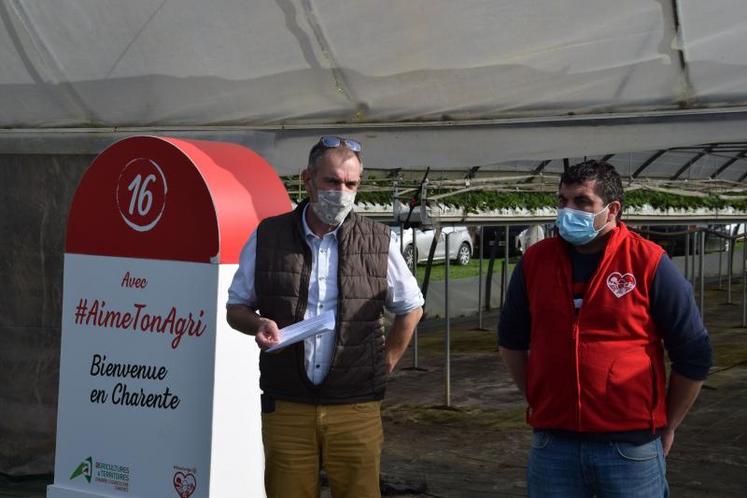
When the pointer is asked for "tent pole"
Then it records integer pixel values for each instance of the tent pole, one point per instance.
(730, 268)
(479, 281)
(447, 333)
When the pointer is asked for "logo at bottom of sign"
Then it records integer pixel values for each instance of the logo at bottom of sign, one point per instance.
(85, 469)
(103, 474)
(185, 481)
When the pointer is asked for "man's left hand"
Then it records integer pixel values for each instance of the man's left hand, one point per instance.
(399, 337)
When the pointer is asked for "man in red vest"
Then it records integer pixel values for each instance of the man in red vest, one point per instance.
(583, 331)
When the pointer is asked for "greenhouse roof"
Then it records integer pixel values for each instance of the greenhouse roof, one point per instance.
(426, 82)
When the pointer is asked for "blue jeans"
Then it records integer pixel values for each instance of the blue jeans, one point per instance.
(568, 468)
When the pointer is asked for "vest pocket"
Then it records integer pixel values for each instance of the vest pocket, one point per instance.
(351, 371)
(631, 387)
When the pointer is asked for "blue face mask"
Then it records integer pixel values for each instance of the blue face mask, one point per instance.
(577, 227)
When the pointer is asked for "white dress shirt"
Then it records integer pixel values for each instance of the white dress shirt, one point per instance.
(403, 294)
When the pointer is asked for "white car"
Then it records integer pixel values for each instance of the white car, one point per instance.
(460, 244)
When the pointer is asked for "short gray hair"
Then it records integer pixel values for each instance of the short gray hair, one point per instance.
(319, 151)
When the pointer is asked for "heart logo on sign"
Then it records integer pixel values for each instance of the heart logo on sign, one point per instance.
(185, 484)
(620, 284)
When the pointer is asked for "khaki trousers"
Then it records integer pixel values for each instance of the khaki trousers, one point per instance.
(345, 440)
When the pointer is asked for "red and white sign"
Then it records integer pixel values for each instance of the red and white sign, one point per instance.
(158, 396)
(141, 194)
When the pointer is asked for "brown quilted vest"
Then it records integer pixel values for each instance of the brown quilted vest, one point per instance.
(283, 269)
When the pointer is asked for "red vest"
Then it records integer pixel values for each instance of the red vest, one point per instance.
(600, 370)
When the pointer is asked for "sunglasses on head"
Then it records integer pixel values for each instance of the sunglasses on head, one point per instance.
(332, 142)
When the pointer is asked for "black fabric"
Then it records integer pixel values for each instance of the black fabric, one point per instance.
(268, 403)
(633, 437)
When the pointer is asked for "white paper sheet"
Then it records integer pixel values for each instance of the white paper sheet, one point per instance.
(320, 324)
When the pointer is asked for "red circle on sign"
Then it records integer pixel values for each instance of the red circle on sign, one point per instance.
(141, 194)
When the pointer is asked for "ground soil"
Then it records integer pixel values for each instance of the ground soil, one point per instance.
(478, 446)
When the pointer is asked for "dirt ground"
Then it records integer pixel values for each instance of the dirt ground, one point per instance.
(478, 446)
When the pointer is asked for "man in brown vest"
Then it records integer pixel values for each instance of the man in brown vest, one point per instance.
(321, 397)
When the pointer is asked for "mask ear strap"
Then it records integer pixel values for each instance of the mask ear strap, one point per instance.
(605, 208)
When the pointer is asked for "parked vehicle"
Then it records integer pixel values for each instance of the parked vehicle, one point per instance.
(460, 244)
(497, 234)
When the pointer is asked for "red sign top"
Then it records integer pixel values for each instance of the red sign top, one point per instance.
(173, 199)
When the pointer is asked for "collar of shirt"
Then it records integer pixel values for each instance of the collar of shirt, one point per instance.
(307, 231)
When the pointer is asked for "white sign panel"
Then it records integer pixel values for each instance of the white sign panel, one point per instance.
(136, 376)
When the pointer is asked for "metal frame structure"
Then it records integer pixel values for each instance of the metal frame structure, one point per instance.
(434, 210)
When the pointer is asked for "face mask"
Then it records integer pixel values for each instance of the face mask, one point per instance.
(332, 206)
(577, 227)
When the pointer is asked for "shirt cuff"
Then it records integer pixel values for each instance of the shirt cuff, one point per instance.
(406, 307)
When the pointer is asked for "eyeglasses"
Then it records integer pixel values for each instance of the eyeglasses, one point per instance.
(332, 142)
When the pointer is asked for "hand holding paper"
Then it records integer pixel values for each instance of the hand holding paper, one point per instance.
(301, 330)
(268, 334)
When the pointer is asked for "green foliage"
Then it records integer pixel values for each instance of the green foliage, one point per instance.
(477, 200)
(485, 200)
(456, 272)
(663, 200)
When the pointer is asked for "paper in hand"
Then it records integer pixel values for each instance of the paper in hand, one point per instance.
(299, 331)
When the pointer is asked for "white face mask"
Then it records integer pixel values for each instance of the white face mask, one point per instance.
(332, 206)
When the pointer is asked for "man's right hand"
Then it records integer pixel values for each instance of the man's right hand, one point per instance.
(246, 320)
(268, 334)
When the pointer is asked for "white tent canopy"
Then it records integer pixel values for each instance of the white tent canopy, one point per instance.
(511, 86)
(503, 79)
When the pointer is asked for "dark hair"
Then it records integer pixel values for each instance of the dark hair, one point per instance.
(608, 182)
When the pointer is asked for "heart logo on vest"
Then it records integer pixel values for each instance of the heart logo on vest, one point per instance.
(185, 484)
(620, 284)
